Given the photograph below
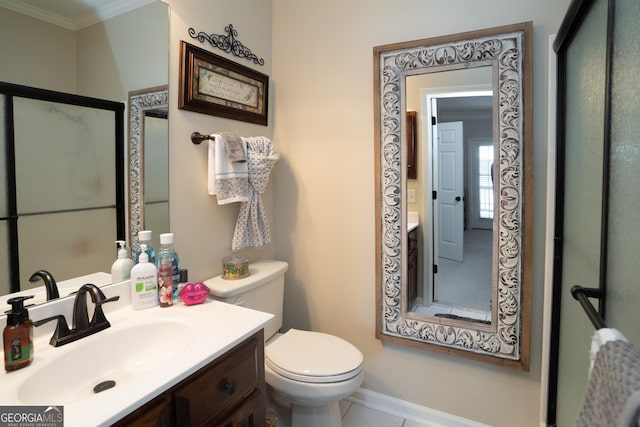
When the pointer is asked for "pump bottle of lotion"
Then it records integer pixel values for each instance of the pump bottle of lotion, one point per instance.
(121, 268)
(144, 283)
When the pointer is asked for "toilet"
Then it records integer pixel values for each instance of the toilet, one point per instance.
(307, 373)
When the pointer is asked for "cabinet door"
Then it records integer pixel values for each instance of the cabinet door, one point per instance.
(250, 413)
(219, 387)
(158, 412)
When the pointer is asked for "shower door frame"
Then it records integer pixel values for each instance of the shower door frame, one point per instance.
(575, 16)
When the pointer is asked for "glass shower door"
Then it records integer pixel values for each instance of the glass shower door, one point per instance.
(598, 178)
(583, 170)
(623, 282)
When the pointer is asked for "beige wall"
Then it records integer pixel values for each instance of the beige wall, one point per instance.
(324, 189)
(125, 53)
(35, 53)
(203, 230)
(105, 60)
(321, 197)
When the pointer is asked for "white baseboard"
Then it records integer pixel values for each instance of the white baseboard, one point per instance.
(410, 411)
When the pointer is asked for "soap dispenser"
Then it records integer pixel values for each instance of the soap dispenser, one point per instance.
(144, 282)
(18, 335)
(121, 268)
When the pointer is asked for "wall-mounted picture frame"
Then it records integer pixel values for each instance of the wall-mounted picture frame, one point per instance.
(211, 84)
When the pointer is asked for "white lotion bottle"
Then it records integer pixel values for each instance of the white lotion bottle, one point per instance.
(121, 268)
(144, 283)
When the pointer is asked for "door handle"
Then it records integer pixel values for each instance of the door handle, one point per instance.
(458, 199)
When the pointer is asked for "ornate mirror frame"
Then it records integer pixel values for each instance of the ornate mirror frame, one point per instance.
(139, 102)
(508, 50)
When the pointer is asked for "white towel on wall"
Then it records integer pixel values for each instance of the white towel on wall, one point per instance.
(228, 181)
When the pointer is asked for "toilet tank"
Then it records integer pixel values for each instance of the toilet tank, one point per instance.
(262, 290)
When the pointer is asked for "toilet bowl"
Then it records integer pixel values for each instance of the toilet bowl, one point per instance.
(307, 373)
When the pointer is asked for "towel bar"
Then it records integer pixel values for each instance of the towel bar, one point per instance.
(582, 295)
(198, 137)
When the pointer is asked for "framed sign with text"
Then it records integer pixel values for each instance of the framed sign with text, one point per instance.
(211, 84)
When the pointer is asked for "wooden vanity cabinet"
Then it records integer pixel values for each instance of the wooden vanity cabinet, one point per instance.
(228, 392)
(412, 268)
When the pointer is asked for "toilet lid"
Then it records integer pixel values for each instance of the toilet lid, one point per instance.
(313, 357)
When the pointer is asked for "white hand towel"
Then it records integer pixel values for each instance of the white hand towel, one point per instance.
(228, 181)
(600, 338)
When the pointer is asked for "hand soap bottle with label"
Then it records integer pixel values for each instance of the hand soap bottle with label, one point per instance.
(144, 282)
(18, 336)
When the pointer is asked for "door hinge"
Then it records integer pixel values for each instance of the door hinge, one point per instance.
(434, 121)
(435, 268)
(434, 195)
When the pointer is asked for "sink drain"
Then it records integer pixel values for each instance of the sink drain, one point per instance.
(104, 385)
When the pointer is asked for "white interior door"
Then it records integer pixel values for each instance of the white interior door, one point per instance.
(449, 202)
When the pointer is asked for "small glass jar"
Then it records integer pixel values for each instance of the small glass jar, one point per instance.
(235, 267)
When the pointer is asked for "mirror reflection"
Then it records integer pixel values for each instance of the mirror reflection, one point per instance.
(148, 163)
(102, 59)
(453, 193)
(65, 192)
(156, 177)
(469, 204)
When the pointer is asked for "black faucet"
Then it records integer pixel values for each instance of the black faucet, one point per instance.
(49, 283)
(82, 327)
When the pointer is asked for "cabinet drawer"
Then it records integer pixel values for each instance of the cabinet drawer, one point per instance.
(218, 387)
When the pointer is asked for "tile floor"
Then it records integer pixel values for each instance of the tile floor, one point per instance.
(354, 415)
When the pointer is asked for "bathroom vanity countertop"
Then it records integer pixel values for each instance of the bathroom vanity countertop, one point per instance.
(212, 328)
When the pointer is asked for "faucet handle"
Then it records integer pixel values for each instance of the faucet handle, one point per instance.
(98, 314)
(112, 299)
(62, 329)
(80, 313)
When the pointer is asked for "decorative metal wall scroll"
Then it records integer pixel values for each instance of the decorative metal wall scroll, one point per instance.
(227, 43)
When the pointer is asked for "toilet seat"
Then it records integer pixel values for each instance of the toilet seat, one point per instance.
(313, 357)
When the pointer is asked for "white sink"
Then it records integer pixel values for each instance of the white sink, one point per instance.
(121, 355)
(145, 352)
